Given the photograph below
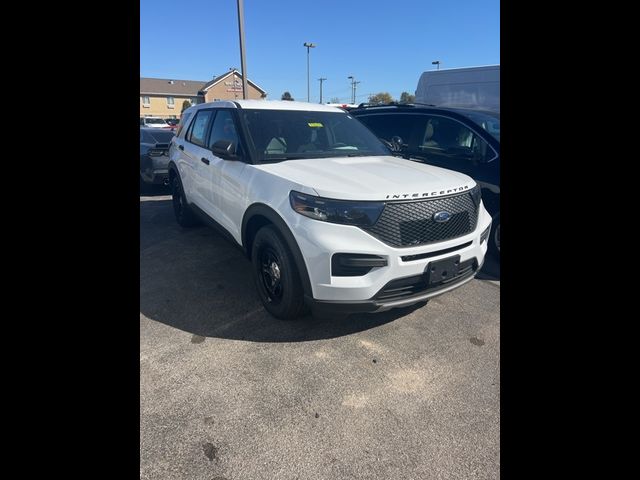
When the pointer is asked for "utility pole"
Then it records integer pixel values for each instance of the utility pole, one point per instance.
(353, 89)
(243, 64)
(321, 80)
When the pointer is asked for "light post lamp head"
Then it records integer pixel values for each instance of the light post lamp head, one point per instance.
(436, 62)
(309, 45)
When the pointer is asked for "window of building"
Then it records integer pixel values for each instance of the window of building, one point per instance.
(146, 102)
(170, 102)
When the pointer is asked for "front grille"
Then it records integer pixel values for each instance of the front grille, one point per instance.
(409, 224)
(417, 285)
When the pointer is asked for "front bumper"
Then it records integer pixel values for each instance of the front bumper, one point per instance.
(318, 241)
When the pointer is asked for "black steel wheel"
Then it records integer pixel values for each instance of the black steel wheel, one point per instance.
(276, 276)
(184, 215)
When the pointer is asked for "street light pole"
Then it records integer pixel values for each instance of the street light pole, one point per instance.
(321, 80)
(308, 45)
(243, 63)
(436, 62)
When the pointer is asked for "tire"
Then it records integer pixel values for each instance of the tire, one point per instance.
(494, 236)
(276, 276)
(184, 215)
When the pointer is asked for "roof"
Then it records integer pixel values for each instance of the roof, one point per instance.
(388, 107)
(219, 78)
(163, 86)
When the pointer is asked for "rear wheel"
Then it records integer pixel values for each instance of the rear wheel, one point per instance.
(184, 215)
(276, 276)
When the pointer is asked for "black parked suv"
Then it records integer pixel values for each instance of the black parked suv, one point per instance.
(464, 140)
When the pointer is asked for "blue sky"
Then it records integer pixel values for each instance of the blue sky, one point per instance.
(385, 45)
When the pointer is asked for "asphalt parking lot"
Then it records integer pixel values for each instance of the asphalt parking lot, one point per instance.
(229, 392)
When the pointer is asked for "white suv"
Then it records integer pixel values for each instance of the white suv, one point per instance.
(327, 216)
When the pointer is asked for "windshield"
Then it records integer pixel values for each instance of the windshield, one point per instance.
(155, 121)
(290, 134)
(490, 123)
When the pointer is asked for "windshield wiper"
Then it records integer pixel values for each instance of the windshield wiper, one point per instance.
(279, 159)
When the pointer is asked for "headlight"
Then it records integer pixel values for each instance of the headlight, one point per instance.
(476, 195)
(336, 211)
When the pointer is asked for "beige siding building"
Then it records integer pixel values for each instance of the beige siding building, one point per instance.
(164, 97)
(229, 87)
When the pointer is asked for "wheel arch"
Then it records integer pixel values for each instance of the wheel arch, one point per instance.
(259, 215)
(173, 170)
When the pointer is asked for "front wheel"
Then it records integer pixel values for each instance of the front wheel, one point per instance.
(276, 276)
(494, 239)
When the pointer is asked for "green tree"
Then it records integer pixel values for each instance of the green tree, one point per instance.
(287, 96)
(405, 97)
(381, 97)
(186, 104)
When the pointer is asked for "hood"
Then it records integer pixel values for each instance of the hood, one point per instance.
(370, 178)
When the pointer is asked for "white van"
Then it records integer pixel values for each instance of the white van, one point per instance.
(470, 87)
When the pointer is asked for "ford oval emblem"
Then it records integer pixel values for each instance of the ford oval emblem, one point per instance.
(441, 217)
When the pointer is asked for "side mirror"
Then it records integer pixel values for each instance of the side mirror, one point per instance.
(225, 150)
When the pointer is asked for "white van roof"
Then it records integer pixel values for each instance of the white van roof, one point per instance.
(467, 87)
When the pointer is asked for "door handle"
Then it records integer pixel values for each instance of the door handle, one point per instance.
(181, 147)
(204, 160)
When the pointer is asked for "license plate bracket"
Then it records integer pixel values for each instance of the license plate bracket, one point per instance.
(442, 270)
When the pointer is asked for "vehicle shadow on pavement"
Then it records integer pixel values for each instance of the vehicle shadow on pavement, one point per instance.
(491, 268)
(148, 190)
(199, 282)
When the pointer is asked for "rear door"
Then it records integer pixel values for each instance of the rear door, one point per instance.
(192, 166)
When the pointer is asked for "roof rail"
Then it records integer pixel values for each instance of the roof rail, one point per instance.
(394, 104)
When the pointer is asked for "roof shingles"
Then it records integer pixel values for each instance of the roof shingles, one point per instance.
(163, 86)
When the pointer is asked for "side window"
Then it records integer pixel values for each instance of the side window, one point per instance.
(445, 136)
(184, 120)
(198, 131)
(224, 128)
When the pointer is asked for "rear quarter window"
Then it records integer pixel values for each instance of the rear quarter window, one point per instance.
(184, 121)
